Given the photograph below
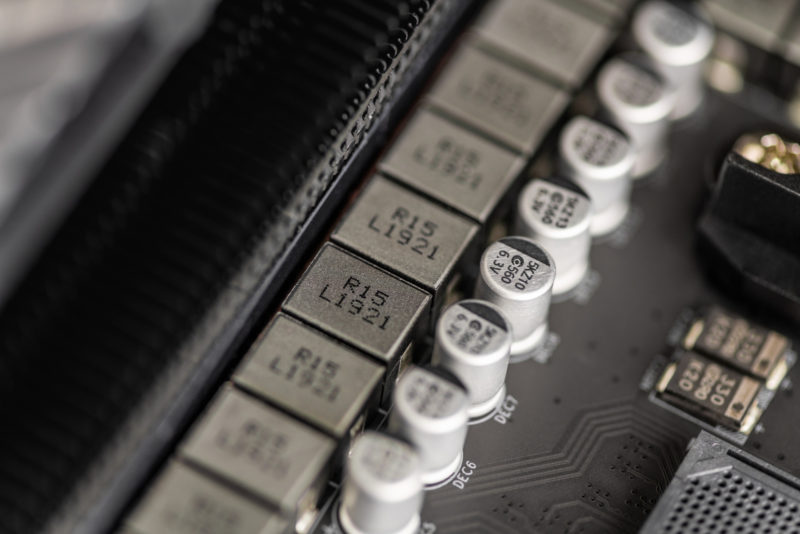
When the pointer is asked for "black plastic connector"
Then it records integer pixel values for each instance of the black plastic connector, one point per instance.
(750, 235)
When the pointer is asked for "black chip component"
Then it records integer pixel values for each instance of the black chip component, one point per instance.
(711, 391)
(750, 348)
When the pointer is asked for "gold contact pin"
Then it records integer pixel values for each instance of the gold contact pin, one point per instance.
(771, 151)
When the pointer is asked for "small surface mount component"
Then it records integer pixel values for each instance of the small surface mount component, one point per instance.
(741, 344)
(504, 102)
(752, 21)
(711, 391)
(184, 501)
(262, 451)
(452, 165)
(310, 375)
(544, 36)
(359, 303)
(405, 233)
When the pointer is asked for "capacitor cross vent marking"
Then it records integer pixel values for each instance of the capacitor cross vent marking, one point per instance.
(473, 341)
(382, 491)
(517, 275)
(430, 411)
(599, 158)
(556, 213)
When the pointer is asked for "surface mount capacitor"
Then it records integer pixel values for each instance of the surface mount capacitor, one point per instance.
(742, 344)
(679, 40)
(599, 158)
(556, 213)
(640, 101)
(382, 491)
(473, 341)
(430, 411)
(711, 391)
(517, 275)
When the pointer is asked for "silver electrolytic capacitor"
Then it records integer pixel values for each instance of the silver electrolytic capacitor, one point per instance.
(382, 491)
(599, 158)
(679, 39)
(517, 275)
(556, 213)
(473, 341)
(638, 100)
(430, 411)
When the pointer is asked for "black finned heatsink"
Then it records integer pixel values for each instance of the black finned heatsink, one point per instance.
(236, 135)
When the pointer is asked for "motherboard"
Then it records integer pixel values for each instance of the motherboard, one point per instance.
(560, 293)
